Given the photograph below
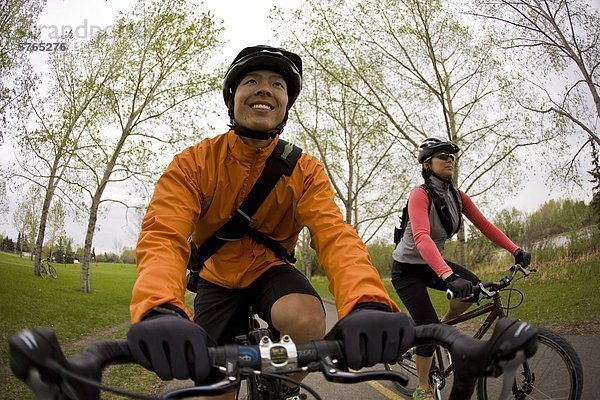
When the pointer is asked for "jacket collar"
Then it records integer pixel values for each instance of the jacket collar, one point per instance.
(244, 153)
(439, 184)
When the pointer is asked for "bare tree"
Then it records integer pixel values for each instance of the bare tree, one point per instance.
(17, 18)
(62, 118)
(561, 35)
(166, 45)
(355, 149)
(56, 225)
(305, 252)
(26, 217)
(4, 208)
(417, 65)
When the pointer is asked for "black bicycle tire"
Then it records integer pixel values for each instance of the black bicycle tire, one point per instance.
(43, 271)
(567, 354)
(251, 389)
(52, 271)
(404, 367)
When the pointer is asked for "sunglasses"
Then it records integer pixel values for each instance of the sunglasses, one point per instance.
(445, 156)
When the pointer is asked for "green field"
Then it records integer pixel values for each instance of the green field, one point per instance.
(552, 297)
(564, 296)
(28, 301)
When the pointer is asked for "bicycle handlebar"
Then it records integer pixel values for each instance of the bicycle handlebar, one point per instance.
(37, 359)
(482, 287)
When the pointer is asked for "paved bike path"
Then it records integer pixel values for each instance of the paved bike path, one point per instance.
(587, 346)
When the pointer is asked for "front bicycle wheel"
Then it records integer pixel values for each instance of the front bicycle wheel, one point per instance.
(554, 372)
(407, 365)
(260, 388)
(52, 271)
(43, 271)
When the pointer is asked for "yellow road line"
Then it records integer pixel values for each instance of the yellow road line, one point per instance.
(384, 391)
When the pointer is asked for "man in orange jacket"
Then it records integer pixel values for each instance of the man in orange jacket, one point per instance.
(200, 190)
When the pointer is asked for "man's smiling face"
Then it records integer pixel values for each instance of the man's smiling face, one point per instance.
(260, 101)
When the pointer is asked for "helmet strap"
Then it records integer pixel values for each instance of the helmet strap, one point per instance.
(254, 134)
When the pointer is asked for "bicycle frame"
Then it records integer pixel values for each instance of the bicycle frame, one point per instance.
(494, 310)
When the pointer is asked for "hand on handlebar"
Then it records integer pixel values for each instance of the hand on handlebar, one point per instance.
(372, 336)
(460, 288)
(173, 347)
(522, 257)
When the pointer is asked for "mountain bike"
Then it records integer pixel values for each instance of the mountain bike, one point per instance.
(555, 372)
(47, 269)
(37, 359)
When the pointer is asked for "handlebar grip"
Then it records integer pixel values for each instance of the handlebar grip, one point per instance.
(449, 294)
(31, 349)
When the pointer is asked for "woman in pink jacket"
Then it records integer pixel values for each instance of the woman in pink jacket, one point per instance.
(435, 211)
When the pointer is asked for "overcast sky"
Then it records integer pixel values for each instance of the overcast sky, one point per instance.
(246, 24)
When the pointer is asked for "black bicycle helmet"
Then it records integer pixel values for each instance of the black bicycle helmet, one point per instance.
(432, 145)
(286, 63)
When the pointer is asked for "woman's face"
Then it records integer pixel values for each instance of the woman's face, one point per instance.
(442, 164)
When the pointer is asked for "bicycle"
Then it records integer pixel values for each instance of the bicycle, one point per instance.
(47, 269)
(258, 386)
(541, 377)
(37, 359)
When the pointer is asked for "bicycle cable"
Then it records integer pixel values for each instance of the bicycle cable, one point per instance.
(294, 381)
(64, 372)
(53, 365)
(510, 290)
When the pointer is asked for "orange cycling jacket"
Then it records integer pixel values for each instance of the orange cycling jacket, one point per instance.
(202, 188)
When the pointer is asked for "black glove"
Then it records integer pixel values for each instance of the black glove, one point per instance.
(522, 257)
(372, 336)
(461, 288)
(173, 347)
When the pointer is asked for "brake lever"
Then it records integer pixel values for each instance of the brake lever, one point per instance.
(509, 369)
(333, 374)
(485, 291)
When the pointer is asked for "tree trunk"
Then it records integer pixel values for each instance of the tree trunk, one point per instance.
(87, 248)
(39, 243)
(89, 236)
(461, 246)
(305, 255)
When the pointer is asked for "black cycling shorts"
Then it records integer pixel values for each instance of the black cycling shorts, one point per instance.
(223, 312)
(411, 282)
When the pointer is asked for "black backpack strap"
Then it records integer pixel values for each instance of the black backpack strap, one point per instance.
(430, 194)
(442, 210)
(281, 162)
(403, 219)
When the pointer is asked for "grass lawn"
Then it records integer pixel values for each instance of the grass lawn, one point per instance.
(552, 297)
(28, 301)
(565, 296)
